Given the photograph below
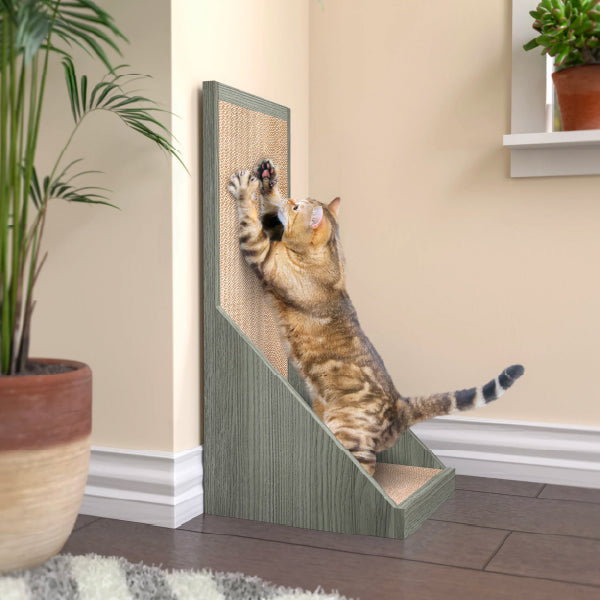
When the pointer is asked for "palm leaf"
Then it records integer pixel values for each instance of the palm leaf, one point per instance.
(84, 23)
(32, 26)
(8, 6)
(30, 22)
(72, 87)
(36, 190)
(62, 189)
(77, 22)
(136, 111)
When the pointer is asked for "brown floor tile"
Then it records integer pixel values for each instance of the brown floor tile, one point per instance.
(567, 492)
(550, 557)
(498, 486)
(83, 520)
(517, 513)
(436, 541)
(358, 576)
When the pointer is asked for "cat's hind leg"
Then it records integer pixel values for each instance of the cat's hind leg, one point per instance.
(356, 440)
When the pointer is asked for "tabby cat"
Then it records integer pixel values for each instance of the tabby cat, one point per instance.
(294, 248)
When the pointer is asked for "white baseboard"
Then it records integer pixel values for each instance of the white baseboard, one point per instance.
(520, 450)
(159, 488)
(165, 488)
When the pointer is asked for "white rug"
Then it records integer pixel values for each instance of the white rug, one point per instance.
(93, 577)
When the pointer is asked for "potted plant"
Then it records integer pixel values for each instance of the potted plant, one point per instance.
(569, 31)
(45, 404)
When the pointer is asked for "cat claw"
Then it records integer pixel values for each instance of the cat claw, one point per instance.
(240, 182)
(266, 172)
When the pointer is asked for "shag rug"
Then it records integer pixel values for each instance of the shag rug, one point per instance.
(94, 577)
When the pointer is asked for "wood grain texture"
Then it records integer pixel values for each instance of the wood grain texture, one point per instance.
(435, 542)
(276, 461)
(83, 521)
(267, 457)
(498, 486)
(517, 513)
(565, 492)
(555, 557)
(355, 575)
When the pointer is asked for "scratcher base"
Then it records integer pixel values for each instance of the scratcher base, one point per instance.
(267, 456)
(401, 481)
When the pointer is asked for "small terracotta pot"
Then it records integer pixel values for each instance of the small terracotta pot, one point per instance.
(578, 93)
(45, 428)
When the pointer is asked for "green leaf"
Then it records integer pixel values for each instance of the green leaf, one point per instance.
(84, 41)
(84, 92)
(531, 44)
(560, 58)
(63, 190)
(36, 192)
(85, 24)
(135, 110)
(64, 171)
(32, 24)
(89, 199)
(72, 87)
(53, 48)
(94, 19)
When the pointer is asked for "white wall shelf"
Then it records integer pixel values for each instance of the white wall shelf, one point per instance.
(554, 139)
(534, 153)
(557, 153)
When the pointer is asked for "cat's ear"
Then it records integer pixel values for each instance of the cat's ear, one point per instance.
(334, 206)
(317, 217)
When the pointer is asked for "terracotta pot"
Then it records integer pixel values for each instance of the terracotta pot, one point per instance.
(45, 427)
(578, 92)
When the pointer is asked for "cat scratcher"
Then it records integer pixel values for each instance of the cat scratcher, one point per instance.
(267, 456)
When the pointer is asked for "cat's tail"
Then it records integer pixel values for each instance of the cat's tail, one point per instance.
(420, 408)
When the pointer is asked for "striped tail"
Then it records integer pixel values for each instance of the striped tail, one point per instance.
(426, 407)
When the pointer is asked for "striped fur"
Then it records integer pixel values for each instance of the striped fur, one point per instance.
(301, 267)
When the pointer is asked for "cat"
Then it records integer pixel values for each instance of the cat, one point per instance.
(294, 248)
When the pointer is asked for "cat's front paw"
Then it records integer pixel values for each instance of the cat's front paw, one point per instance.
(242, 184)
(266, 172)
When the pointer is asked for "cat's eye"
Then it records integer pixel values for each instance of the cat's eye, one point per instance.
(296, 207)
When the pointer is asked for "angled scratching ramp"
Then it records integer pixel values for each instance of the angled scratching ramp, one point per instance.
(267, 456)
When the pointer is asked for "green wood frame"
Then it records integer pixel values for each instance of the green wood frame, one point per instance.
(267, 456)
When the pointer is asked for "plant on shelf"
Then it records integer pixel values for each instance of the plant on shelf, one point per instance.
(45, 420)
(569, 31)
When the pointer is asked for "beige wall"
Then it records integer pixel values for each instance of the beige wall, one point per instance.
(455, 269)
(104, 296)
(121, 290)
(261, 47)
